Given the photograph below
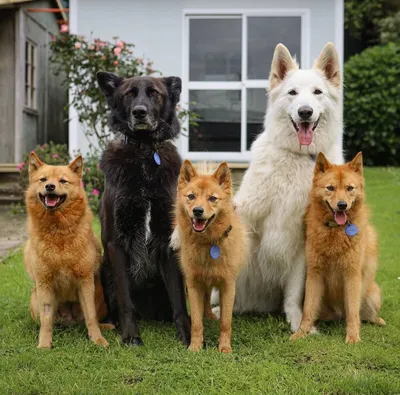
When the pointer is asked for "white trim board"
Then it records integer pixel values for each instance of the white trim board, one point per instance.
(75, 128)
(244, 83)
(19, 83)
(339, 43)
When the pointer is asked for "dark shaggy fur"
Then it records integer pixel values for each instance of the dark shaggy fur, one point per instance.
(141, 277)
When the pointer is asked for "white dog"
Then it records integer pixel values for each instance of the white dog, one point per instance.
(304, 117)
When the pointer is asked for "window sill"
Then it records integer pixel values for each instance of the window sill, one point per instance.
(31, 111)
(232, 165)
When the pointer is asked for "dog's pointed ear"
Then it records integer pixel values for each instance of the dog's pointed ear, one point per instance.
(357, 163)
(282, 63)
(328, 62)
(188, 172)
(34, 163)
(108, 82)
(321, 164)
(174, 87)
(77, 165)
(223, 176)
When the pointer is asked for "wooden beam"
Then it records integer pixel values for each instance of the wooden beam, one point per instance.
(51, 10)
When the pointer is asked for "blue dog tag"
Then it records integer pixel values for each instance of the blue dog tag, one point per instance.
(157, 158)
(351, 230)
(215, 252)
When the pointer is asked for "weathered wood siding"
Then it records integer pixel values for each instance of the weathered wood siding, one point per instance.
(7, 75)
(52, 124)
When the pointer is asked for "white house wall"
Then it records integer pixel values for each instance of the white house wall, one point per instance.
(155, 27)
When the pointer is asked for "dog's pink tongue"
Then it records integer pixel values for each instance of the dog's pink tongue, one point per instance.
(51, 201)
(199, 224)
(305, 133)
(340, 217)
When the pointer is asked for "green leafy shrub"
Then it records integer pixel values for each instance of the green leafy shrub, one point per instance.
(372, 105)
(78, 60)
(93, 180)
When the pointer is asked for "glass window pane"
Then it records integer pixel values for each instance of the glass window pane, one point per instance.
(219, 123)
(26, 95)
(215, 50)
(256, 107)
(264, 33)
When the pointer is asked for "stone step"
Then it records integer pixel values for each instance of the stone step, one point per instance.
(10, 188)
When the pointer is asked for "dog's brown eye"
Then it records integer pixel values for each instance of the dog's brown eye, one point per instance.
(129, 94)
(63, 181)
(330, 188)
(212, 199)
(191, 197)
(44, 179)
(153, 93)
(350, 188)
(317, 92)
(292, 92)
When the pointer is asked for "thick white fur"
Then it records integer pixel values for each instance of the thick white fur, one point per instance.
(274, 193)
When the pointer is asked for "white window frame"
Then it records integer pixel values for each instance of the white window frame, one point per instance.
(244, 83)
(30, 79)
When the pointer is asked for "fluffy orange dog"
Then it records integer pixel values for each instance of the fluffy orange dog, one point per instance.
(341, 251)
(213, 247)
(62, 255)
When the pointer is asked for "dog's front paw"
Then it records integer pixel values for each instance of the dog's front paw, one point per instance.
(298, 335)
(100, 341)
(44, 345)
(196, 346)
(183, 326)
(225, 348)
(294, 318)
(133, 341)
(352, 339)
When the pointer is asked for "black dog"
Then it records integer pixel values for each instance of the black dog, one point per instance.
(141, 277)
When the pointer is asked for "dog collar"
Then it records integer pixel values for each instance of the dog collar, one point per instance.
(350, 229)
(156, 155)
(215, 251)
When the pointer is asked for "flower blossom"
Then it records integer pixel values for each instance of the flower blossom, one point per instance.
(64, 28)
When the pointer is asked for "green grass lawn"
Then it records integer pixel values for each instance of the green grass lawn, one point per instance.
(263, 359)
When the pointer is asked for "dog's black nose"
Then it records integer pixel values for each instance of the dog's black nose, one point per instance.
(50, 187)
(342, 205)
(305, 112)
(198, 211)
(139, 112)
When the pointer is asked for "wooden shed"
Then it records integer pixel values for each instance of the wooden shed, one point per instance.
(32, 99)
